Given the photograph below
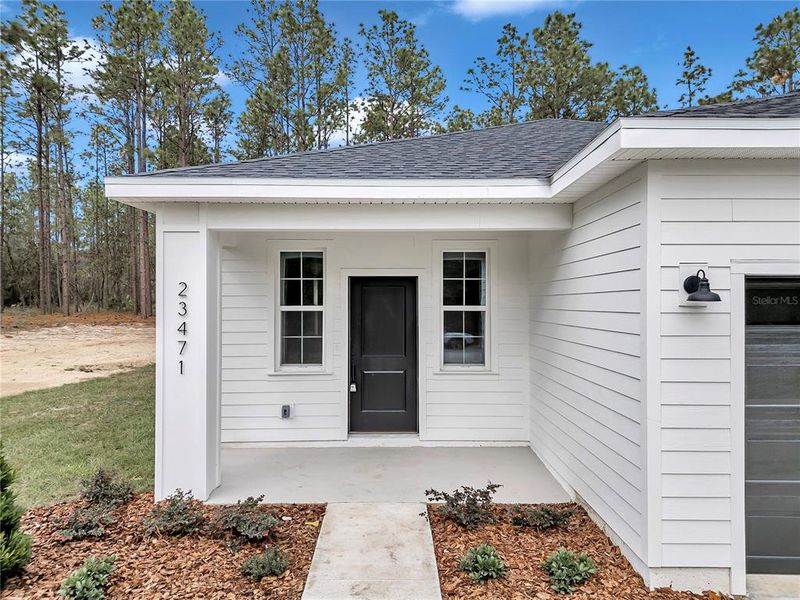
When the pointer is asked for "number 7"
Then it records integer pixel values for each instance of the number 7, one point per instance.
(183, 346)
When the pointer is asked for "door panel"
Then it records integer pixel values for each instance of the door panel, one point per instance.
(772, 425)
(383, 354)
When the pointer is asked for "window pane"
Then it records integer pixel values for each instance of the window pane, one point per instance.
(312, 351)
(453, 264)
(453, 321)
(290, 351)
(291, 324)
(453, 349)
(312, 323)
(475, 265)
(312, 264)
(453, 292)
(290, 264)
(312, 292)
(290, 292)
(473, 350)
(473, 323)
(474, 294)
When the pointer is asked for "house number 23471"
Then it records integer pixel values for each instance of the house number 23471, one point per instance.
(183, 309)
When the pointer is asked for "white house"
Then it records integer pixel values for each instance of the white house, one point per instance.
(521, 284)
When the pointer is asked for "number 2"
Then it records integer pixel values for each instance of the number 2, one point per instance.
(182, 293)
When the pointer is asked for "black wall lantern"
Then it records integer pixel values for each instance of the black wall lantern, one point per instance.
(698, 288)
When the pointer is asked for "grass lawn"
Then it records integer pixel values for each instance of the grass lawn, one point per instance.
(58, 436)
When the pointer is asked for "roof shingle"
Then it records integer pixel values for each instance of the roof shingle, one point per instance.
(786, 106)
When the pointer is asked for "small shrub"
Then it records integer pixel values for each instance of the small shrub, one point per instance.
(86, 523)
(483, 563)
(539, 517)
(270, 563)
(467, 506)
(566, 569)
(15, 546)
(105, 489)
(179, 514)
(89, 582)
(245, 522)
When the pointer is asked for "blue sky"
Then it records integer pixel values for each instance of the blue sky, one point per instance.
(648, 33)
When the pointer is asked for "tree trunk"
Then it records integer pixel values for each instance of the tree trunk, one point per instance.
(133, 262)
(145, 296)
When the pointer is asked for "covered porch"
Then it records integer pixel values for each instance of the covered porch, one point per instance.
(382, 474)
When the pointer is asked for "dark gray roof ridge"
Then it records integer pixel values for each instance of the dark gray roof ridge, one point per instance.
(735, 105)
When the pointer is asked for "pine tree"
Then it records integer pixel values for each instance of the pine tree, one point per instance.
(774, 66)
(693, 78)
(405, 90)
(502, 81)
(218, 117)
(459, 119)
(561, 81)
(630, 93)
(345, 82)
(187, 78)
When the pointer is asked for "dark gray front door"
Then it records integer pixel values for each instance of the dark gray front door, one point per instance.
(772, 425)
(383, 354)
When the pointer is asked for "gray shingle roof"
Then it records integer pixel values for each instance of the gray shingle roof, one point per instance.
(535, 149)
(787, 106)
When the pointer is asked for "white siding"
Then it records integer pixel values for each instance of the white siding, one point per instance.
(585, 354)
(714, 212)
(453, 407)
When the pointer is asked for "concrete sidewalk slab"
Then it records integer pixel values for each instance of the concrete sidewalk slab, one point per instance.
(375, 551)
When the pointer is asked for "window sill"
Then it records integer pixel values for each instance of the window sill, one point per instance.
(300, 372)
(462, 372)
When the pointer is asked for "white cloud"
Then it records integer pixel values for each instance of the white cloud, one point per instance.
(475, 10)
(222, 79)
(76, 72)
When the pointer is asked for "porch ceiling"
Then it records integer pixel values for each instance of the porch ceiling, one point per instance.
(381, 474)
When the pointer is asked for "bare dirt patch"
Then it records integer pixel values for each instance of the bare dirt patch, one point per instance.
(524, 549)
(196, 566)
(43, 356)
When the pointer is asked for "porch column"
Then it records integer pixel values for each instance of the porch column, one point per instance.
(187, 369)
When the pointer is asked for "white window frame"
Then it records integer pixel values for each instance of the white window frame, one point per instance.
(274, 257)
(490, 351)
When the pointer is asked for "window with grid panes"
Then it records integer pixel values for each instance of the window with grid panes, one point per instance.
(301, 308)
(464, 308)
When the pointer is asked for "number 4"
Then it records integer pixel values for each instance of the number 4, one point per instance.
(182, 328)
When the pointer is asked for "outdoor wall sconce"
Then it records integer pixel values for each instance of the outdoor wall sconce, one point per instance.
(699, 289)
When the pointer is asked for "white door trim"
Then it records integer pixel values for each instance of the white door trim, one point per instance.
(739, 270)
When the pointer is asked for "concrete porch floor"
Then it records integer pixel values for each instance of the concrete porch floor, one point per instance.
(381, 474)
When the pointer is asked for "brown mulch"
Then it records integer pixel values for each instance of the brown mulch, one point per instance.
(198, 566)
(524, 549)
(24, 320)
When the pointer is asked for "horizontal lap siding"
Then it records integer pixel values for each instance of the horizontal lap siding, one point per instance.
(707, 214)
(585, 354)
(462, 407)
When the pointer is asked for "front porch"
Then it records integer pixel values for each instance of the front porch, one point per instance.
(381, 474)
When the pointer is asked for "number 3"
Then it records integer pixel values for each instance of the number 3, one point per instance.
(182, 311)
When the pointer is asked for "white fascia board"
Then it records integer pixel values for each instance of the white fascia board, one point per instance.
(659, 133)
(689, 133)
(243, 189)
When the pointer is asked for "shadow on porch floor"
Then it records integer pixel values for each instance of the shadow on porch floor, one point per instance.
(381, 474)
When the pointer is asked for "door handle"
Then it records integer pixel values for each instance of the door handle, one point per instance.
(353, 387)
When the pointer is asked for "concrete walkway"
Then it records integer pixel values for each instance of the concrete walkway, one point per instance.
(375, 551)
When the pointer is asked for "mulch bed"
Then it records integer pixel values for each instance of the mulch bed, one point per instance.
(199, 566)
(524, 549)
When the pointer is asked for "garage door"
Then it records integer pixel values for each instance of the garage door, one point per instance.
(772, 425)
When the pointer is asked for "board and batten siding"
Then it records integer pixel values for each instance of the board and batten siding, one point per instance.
(585, 355)
(712, 212)
(453, 406)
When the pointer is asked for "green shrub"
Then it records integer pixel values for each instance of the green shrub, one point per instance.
(89, 582)
(566, 569)
(245, 522)
(105, 489)
(270, 563)
(539, 517)
(178, 514)
(483, 563)
(86, 523)
(467, 506)
(15, 546)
